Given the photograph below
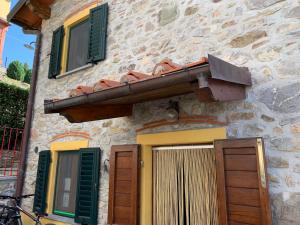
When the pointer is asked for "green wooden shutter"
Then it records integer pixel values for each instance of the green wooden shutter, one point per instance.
(41, 186)
(88, 186)
(98, 33)
(56, 51)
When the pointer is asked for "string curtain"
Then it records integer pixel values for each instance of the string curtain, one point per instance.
(185, 191)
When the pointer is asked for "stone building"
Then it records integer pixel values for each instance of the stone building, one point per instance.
(88, 46)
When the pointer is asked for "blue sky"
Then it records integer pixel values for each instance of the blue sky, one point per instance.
(14, 45)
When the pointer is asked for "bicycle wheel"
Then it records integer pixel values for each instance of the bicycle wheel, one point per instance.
(15, 222)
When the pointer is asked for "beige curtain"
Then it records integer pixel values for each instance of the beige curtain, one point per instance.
(185, 187)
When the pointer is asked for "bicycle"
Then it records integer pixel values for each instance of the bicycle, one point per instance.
(11, 215)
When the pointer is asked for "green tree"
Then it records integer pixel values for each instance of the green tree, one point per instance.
(28, 73)
(16, 71)
(28, 76)
(26, 67)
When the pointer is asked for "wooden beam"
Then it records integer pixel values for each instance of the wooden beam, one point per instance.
(96, 112)
(40, 10)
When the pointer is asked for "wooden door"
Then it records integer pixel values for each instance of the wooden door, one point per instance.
(124, 185)
(243, 197)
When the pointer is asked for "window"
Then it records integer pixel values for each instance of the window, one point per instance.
(78, 45)
(66, 180)
(81, 40)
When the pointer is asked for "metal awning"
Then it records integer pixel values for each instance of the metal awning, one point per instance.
(30, 13)
(216, 80)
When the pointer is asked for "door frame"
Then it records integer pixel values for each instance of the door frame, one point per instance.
(147, 141)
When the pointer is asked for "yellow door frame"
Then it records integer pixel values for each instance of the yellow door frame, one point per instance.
(147, 141)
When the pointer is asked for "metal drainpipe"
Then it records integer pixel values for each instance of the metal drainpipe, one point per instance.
(28, 119)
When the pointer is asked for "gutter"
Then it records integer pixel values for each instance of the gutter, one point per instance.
(28, 119)
(188, 75)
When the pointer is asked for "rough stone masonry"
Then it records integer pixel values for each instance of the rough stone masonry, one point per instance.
(263, 35)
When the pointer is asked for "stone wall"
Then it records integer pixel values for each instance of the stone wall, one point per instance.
(263, 35)
(7, 188)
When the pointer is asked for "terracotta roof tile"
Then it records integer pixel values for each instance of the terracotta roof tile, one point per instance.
(133, 76)
(165, 66)
(201, 61)
(162, 68)
(105, 84)
(81, 90)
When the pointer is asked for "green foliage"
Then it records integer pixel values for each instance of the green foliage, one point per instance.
(26, 67)
(28, 76)
(16, 71)
(13, 102)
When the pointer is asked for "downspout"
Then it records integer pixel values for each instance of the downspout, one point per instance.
(28, 119)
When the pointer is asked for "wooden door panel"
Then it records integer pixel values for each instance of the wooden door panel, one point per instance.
(245, 219)
(237, 223)
(237, 179)
(124, 185)
(242, 182)
(240, 162)
(121, 215)
(123, 200)
(124, 162)
(124, 174)
(239, 151)
(243, 196)
(242, 210)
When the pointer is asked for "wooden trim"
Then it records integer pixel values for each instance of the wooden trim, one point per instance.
(43, 11)
(222, 200)
(263, 190)
(111, 198)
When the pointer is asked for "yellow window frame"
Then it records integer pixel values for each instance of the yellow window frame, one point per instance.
(147, 141)
(55, 148)
(68, 24)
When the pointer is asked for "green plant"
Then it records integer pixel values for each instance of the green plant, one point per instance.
(28, 76)
(26, 67)
(13, 102)
(16, 71)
